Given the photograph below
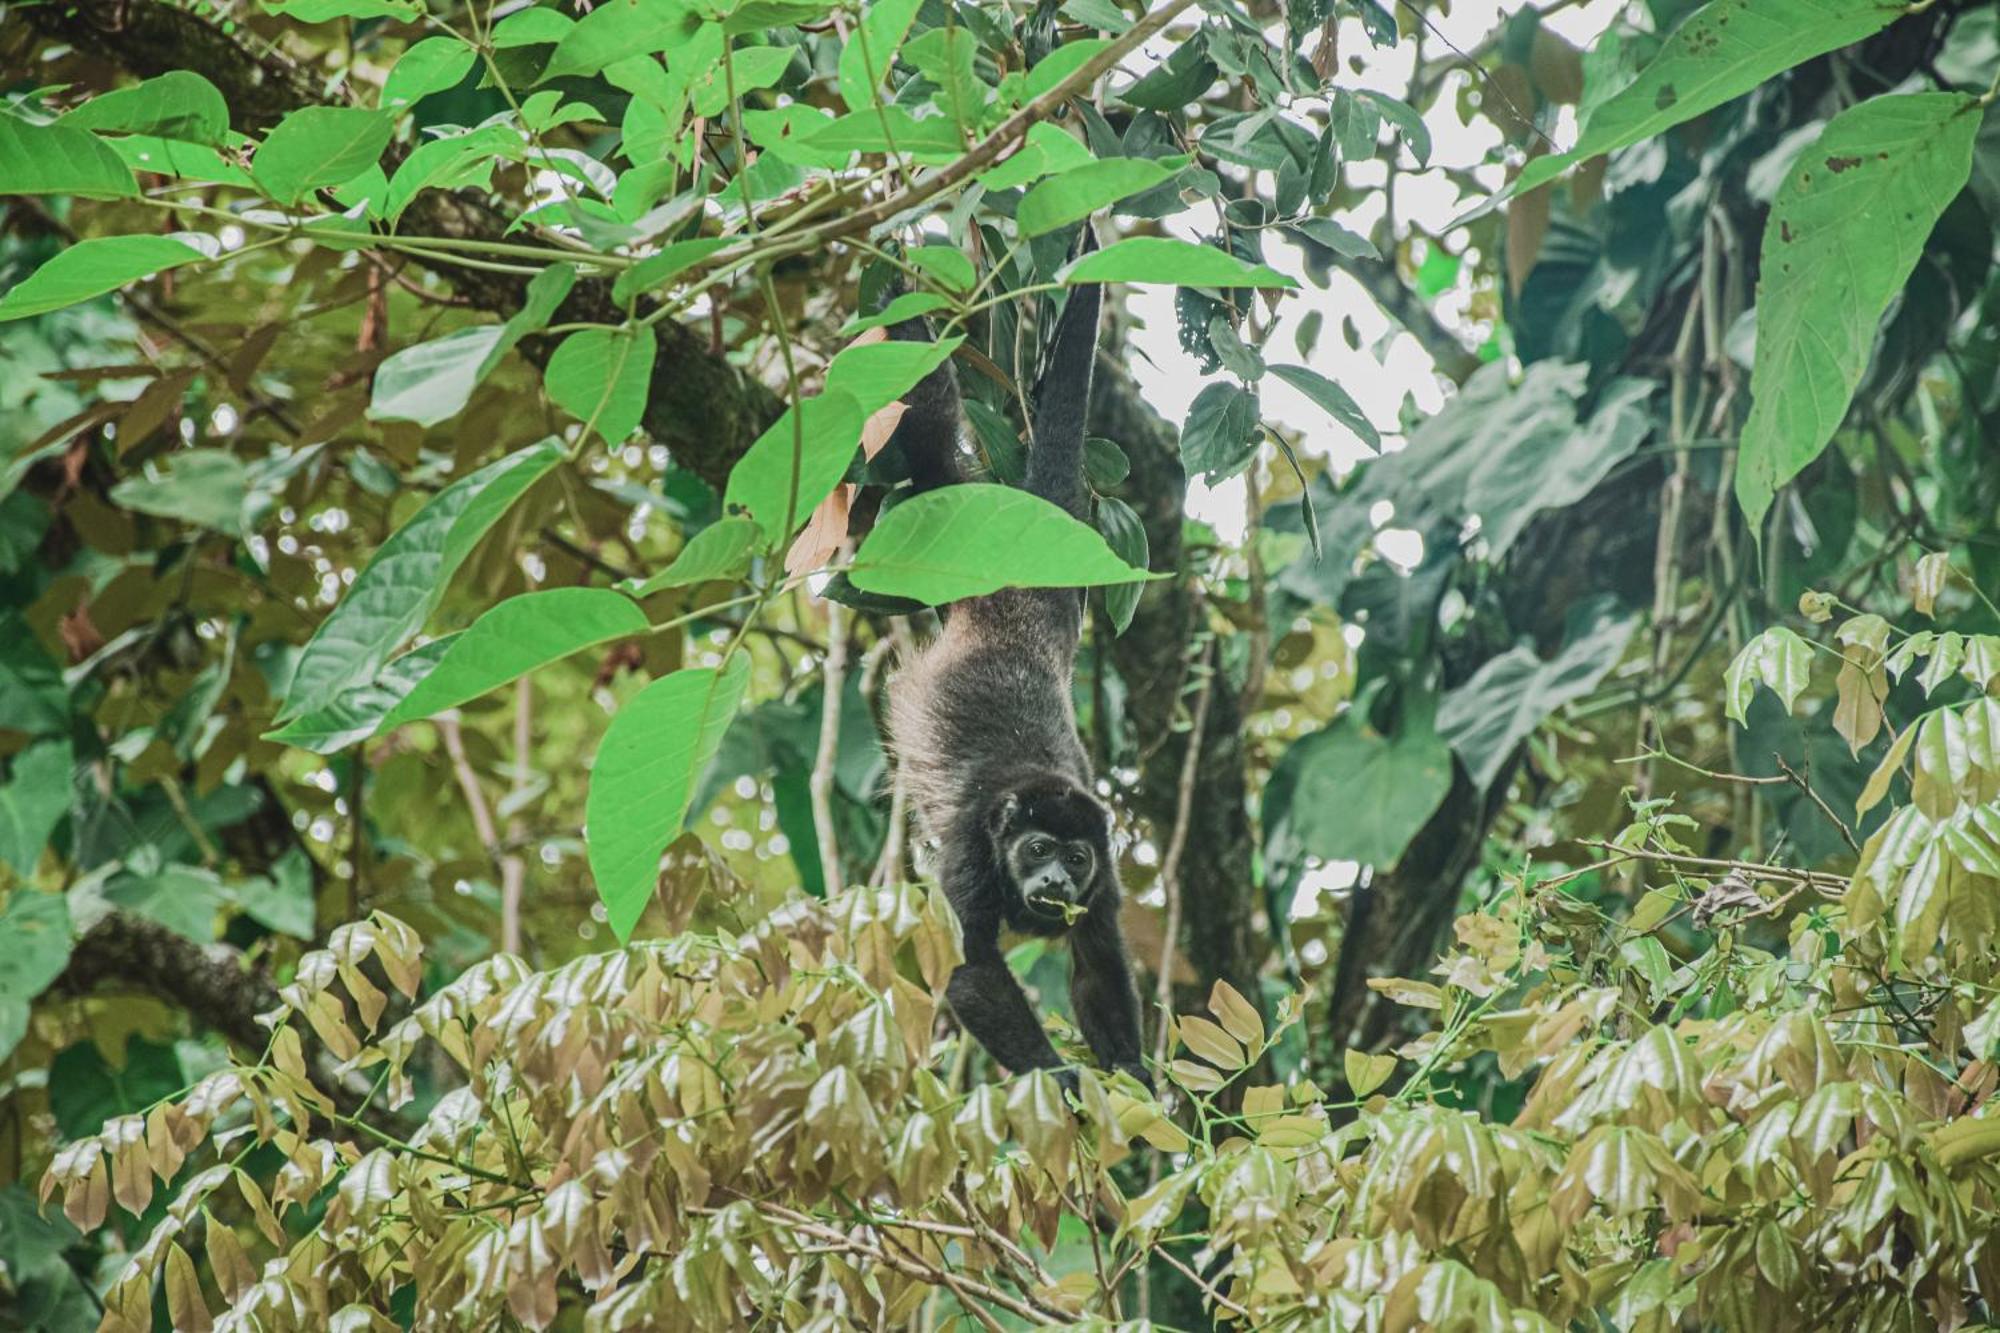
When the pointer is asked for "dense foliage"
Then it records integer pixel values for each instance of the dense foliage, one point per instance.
(449, 565)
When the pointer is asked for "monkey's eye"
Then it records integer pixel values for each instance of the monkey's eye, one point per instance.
(1076, 857)
(1040, 848)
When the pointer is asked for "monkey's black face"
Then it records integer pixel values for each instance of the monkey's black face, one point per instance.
(1051, 839)
(1053, 874)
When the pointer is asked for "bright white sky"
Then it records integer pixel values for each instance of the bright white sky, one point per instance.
(1389, 365)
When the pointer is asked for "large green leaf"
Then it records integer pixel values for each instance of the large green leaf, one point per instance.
(670, 262)
(1503, 703)
(284, 901)
(1162, 259)
(34, 948)
(823, 432)
(33, 801)
(1220, 435)
(1516, 476)
(1336, 401)
(1777, 657)
(357, 714)
(1125, 534)
(652, 755)
(184, 899)
(877, 374)
(32, 698)
(395, 592)
(323, 11)
(431, 66)
(1725, 49)
(1356, 795)
(1046, 149)
(433, 381)
(91, 268)
(454, 162)
(1081, 191)
(207, 487)
(515, 637)
(601, 376)
(317, 146)
(722, 550)
(965, 541)
(179, 104)
(870, 52)
(60, 159)
(620, 29)
(1846, 229)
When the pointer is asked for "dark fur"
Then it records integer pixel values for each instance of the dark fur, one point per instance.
(985, 733)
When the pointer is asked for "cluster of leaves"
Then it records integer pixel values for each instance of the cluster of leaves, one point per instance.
(696, 1131)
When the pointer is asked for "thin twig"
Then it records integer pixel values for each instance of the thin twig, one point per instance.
(1170, 864)
(475, 799)
(833, 678)
(889, 867)
(1833, 885)
(1799, 781)
(1162, 1252)
(513, 866)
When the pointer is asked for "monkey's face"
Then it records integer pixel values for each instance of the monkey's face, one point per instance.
(1054, 874)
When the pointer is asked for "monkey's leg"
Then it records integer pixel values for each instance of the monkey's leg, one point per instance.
(991, 1006)
(1102, 995)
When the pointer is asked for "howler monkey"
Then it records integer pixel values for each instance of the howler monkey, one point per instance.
(985, 733)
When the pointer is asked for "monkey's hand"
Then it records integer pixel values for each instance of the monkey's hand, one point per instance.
(1139, 1072)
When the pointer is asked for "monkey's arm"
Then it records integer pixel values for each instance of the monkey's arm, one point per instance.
(1102, 994)
(991, 1006)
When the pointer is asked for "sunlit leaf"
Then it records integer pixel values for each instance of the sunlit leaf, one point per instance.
(60, 159)
(179, 104)
(652, 753)
(1161, 259)
(938, 547)
(1846, 230)
(318, 146)
(91, 268)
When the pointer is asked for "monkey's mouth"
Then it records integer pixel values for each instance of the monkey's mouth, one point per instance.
(1070, 912)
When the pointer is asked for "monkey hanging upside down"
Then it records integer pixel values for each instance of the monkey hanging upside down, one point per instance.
(985, 733)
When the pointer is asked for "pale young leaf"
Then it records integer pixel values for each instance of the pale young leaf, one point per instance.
(1366, 1071)
(1211, 1043)
(1927, 581)
(1237, 1015)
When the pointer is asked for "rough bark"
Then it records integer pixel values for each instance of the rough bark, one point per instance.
(700, 407)
(1220, 936)
(212, 982)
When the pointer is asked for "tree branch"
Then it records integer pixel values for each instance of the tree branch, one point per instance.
(211, 981)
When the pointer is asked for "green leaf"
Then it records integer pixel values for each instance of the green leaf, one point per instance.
(1398, 780)
(450, 163)
(1220, 435)
(1126, 536)
(720, 551)
(184, 899)
(33, 802)
(1081, 191)
(92, 268)
(619, 29)
(317, 146)
(653, 753)
(1546, 466)
(357, 714)
(877, 374)
(431, 66)
(176, 158)
(657, 270)
(394, 593)
(35, 945)
(907, 306)
(59, 159)
(1334, 399)
(939, 547)
(1104, 463)
(323, 11)
(1045, 150)
(433, 381)
(1845, 232)
(207, 487)
(531, 27)
(602, 377)
(283, 902)
(825, 430)
(870, 52)
(1777, 657)
(931, 140)
(516, 637)
(32, 697)
(1159, 259)
(179, 104)
(1416, 135)
(1725, 49)
(947, 265)
(1339, 239)
(1505, 701)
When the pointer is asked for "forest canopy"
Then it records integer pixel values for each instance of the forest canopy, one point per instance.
(1540, 652)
